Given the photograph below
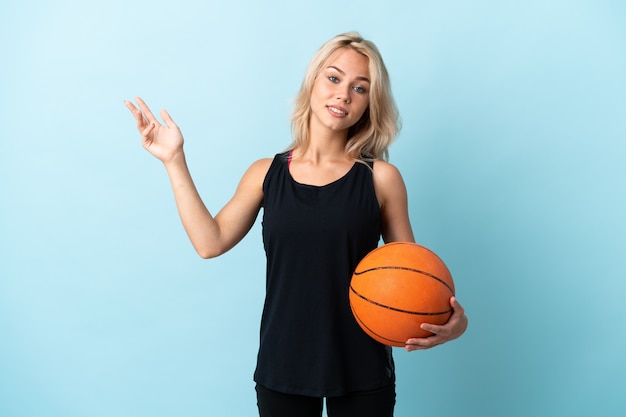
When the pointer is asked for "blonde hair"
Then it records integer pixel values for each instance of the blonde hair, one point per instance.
(371, 136)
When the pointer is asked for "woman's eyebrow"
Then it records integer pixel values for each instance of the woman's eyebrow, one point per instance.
(362, 78)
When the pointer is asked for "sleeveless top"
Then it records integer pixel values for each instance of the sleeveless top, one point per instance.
(314, 237)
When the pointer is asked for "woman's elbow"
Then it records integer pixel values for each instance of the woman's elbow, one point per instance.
(211, 251)
(208, 252)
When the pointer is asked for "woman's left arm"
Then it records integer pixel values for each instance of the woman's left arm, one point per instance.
(393, 201)
(396, 227)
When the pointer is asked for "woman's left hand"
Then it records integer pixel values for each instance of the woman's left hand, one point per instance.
(454, 328)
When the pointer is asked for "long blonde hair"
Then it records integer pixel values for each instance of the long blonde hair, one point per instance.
(370, 137)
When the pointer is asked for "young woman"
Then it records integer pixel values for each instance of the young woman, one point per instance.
(326, 202)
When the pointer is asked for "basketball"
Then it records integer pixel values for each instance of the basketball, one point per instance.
(397, 287)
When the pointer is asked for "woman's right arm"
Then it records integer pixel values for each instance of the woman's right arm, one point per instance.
(210, 235)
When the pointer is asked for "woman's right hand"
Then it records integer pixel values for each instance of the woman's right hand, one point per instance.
(164, 142)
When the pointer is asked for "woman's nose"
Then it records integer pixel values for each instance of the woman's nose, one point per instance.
(344, 94)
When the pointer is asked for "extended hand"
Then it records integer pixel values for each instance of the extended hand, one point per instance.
(165, 142)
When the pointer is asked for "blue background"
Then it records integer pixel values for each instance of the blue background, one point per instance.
(513, 151)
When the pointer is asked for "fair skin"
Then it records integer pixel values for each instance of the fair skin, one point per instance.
(338, 100)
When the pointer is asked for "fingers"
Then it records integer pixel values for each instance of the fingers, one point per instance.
(143, 114)
(434, 328)
(142, 122)
(130, 106)
(445, 329)
(423, 343)
(135, 112)
(456, 306)
(451, 330)
(437, 338)
(169, 122)
(413, 347)
(147, 130)
(146, 110)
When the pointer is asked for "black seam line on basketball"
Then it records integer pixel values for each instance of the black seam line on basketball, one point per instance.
(417, 313)
(375, 333)
(406, 268)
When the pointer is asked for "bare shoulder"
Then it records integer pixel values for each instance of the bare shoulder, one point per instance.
(386, 174)
(252, 179)
(388, 183)
(250, 186)
(260, 167)
(257, 170)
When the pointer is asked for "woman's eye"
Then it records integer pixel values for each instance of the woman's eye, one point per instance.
(360, 90)
(333, 79)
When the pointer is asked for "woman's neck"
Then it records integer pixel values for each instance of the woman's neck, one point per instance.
(324, 145)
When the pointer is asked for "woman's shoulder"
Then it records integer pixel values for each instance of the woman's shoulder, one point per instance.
(260, 167)
(385, 171)
(257, 171)
(388, 181)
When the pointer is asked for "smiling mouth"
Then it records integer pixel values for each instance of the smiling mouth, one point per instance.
(337, 111)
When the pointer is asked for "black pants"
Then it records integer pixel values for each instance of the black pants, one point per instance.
(378, 403)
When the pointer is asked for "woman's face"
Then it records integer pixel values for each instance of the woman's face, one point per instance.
(340, 93)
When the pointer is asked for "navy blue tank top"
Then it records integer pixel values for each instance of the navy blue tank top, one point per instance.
(314, 237)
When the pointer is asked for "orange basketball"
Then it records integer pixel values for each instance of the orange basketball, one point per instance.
(397, 287)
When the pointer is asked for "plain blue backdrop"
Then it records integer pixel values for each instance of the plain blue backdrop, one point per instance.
(512, 149)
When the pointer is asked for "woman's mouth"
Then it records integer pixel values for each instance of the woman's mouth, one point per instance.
(337, 111)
